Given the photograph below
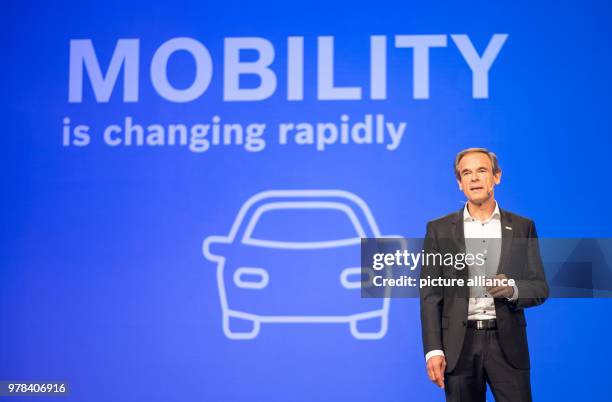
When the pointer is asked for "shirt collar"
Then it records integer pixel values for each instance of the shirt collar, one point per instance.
(468, 218)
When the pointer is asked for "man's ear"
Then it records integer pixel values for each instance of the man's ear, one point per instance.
(497, 177)
(460, 185)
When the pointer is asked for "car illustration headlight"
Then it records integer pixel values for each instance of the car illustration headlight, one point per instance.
(251, 278)
(353, 278)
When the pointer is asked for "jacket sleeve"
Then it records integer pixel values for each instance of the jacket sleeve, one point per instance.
(431, 298)
(533, 286)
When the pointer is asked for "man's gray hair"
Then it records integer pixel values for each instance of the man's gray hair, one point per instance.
(485, 151)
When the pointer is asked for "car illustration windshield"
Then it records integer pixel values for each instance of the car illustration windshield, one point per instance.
(303, 225)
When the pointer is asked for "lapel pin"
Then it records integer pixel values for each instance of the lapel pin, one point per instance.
(508, 227)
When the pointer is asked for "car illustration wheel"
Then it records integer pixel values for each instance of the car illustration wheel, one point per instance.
(369, 328)
(236, 327)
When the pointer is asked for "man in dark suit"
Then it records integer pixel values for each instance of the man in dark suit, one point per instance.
(477, 335)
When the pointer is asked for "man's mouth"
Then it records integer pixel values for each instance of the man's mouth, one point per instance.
(476, 188)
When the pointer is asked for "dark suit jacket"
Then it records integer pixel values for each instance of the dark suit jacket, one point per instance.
(444, 310)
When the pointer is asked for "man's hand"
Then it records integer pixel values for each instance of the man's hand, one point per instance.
(501, 291)
(435, 369)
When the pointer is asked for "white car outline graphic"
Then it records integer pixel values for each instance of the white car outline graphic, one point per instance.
(251, 211)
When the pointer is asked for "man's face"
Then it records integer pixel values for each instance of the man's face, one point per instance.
(477, 178)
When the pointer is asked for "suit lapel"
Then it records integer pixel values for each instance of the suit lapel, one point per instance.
(458, 232)
(459, 238)
(507, 236)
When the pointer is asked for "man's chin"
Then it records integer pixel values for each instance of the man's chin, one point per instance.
(478, 200)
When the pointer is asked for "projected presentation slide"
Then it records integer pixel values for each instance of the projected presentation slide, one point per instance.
(305, 201)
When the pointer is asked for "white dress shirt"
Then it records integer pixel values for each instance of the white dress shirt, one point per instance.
(475, 231)
(476, 234)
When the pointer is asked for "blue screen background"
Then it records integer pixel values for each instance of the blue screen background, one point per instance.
(102, 279)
